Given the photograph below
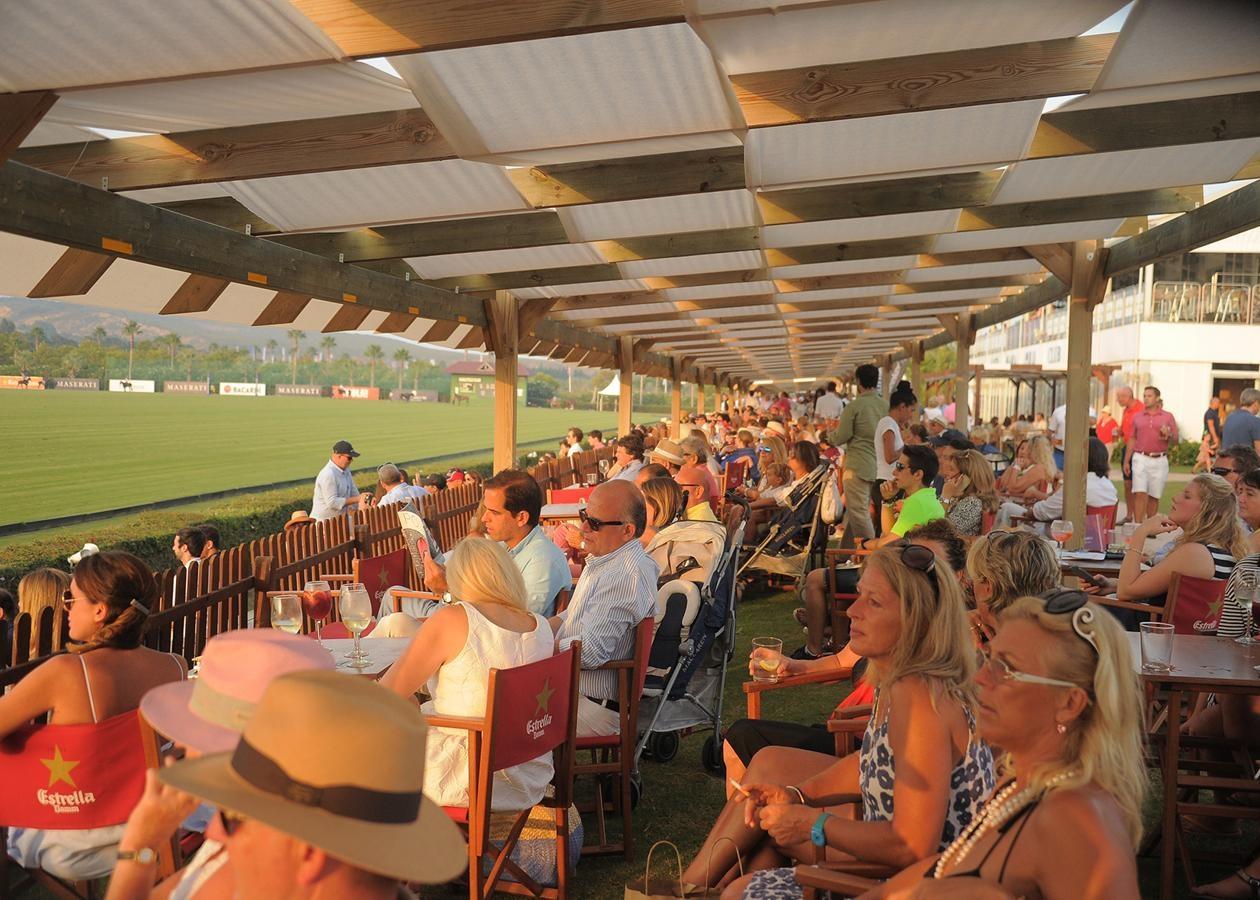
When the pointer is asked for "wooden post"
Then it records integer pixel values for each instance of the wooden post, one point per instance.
(700, 391)
(675, 397)
(1088, 285)
(964, 336)
(978, 370)
(916, 370)
(625, 362)
(502, 338)
(885, 376)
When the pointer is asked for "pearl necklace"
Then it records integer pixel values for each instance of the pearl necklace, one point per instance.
(998, 811)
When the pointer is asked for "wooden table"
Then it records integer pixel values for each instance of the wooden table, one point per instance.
(560, 512)
(382, 653)
(1108, 567)
(1199, 664)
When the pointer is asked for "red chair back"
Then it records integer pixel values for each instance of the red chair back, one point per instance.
(74, 777)
(1195, 604)
(569, 495)
(529, 710)
(737, 472)
(378, 573)
(643, 635)
(987, 521)
(1106, 513)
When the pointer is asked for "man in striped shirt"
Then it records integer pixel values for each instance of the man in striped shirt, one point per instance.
(617, 590)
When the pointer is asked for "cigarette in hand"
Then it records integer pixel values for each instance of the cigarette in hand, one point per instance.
(739, 787)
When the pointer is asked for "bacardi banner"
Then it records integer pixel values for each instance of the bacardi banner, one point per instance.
(301, 390)
(355, 392)
(186, 387)
(76, 384)
(135, 386)
(22, 382)
(242, 389)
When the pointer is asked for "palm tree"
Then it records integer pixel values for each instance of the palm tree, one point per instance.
(130, 330)
(401, 356)
(39, 336)
(374, 354)
(272, 347)
(173, 343)
(296, 336)
(327, 345)
(99, 334)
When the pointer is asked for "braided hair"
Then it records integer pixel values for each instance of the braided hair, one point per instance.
(124, 584)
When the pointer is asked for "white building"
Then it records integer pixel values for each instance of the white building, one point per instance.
(1190, 325)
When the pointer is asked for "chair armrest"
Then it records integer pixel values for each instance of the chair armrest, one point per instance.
(464, 723)
(846, 726)
(336, 576)
(834, 554)
(1127, 604)
(417, 595)
(840, 883)
(855, 712)
(613, 665)
(830, 676)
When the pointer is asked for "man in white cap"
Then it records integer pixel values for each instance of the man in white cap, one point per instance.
(335, 490)
(322, 796)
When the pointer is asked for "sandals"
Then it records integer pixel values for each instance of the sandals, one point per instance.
(1241, 874)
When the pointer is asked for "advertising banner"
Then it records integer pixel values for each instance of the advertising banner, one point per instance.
(242, 389)
(301, 390)
(76, 384)
(185, 387)
(22, 382)
(134, 386)
(355, 392)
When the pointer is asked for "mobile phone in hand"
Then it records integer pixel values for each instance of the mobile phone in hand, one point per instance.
(1082, 574)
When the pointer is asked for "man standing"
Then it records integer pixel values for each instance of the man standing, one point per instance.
(335, 490)
(616, 592)
(1243, 424)
(1146, 456)
(1057, 428)
(829, 406)
(856, 432)
(1130, 407)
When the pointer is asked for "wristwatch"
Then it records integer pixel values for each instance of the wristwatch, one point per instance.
(145, 855)
(818, 834)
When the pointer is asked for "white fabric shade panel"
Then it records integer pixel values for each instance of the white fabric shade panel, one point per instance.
(867, 228)
(546, 257)
(693, 265)
(659, 215)
(1031, 234)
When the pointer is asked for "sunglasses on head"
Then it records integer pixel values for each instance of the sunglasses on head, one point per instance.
(1063, 601)
(595, 524)
(919, 558)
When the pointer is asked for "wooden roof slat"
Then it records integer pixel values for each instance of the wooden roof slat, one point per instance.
(348, 318)
(918, 193)
(73, 274)
(506, 281)
(283, 308)
(930, 81)
(19, 114)
(196, 294)
(1082, 209)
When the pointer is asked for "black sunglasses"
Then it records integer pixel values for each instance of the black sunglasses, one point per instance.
(1221, 471)
(67, 599)
(919, 558)
(230, 822)
(596, 524)
(1062, 601)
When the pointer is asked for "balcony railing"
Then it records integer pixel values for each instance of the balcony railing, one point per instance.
(1223, 303)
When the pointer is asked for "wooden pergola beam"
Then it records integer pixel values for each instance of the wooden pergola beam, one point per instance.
(249, 151)
(196, 294)
(876, 198)
(631, 178)
(930, 81)
(282, 309)
(73, 274)
(19, 114)
(506, 281)
(1082, 209)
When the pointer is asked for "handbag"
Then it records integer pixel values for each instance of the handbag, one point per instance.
(649, 888)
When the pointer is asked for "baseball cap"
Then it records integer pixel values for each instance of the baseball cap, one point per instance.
(344, 447)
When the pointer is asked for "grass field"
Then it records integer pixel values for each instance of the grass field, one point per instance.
(74, 453)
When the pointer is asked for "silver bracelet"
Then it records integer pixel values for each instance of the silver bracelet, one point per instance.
(799, 793)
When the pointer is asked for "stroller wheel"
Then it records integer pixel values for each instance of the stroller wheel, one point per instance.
(636, 789)
(711, 756)
(664, 745)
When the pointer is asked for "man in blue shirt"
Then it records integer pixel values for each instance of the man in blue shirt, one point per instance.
(1243, 424)
(335, 490)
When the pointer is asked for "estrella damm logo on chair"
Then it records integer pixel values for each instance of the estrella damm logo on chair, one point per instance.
(537, 726)
(59, 769)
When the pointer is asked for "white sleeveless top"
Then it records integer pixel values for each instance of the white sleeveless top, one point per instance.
(459, 689)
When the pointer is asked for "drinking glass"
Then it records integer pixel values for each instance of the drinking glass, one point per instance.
(592, 479)
(356, 613)
(1245, 596)
(317, 601)
(767, 669)
(1157, 646)
(603, 468)
(286, 612)
(1061, 530)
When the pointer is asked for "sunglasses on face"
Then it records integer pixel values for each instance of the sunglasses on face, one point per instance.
(68, 599)
(595, 524)
(1223, 472)
(230, 822)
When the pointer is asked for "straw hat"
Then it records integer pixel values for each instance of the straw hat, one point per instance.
(669, 451)
(338, 762)
(939, 418)
(208, 713)
(298, 517)
(777, 427)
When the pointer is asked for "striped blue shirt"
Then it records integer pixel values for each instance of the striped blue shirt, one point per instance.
(615, 593)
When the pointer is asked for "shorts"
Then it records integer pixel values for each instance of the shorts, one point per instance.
(1150, 474)
(747, 736)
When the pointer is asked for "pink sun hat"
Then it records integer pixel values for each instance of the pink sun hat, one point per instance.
(209, 713)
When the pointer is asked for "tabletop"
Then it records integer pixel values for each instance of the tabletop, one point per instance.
(1204, 662)
(560, 510)
(382, 653)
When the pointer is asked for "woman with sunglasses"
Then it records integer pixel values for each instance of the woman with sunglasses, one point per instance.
(921, 772)
(1057, 692)
(104, 675)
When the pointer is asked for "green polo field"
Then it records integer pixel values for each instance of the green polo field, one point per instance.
(68, 453)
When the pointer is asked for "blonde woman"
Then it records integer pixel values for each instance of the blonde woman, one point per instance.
(922, 772)
(1211, 541)
(1003, 566)
(664, 500)
(971, 492)
(451, 655)
(1057, 692)
(40, 590)
(1033, 473)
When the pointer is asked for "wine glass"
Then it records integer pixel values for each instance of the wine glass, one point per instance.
(1245, 595)
(317, 601)
(1061, 530)
(286, 612)
(603, 468)
(356, 613)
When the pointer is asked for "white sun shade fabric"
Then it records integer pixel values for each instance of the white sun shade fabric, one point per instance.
(692, 265)
(522, 259)
(868, 228)
(659, 215)
(73, 43)
(645, 85)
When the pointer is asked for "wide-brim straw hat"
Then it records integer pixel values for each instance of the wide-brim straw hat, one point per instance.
(668, 450)
(777, 427)
(337, 762)
(209, 713)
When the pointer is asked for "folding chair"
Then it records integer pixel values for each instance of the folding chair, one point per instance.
(614, 754)
(75, 777)
(569, 495)
(530, 710)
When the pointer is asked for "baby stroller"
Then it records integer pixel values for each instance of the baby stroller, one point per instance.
(695, 639)
(797, 532)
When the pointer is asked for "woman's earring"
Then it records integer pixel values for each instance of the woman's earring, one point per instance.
(1060, 727)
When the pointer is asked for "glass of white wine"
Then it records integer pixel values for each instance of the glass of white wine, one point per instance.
(286, 612)
(356, 614)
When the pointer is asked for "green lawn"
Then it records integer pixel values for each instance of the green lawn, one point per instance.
(68, 453)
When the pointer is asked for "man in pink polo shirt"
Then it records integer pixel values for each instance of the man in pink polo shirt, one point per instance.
(1130, 407)
(1146, 455)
